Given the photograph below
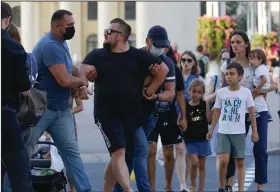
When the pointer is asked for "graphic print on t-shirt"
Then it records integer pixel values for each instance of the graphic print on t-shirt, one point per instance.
(197, 116)
(231, 109)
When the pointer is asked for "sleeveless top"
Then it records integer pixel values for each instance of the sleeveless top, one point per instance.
(197, 122)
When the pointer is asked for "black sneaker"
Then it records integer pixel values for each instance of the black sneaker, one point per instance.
(221, 190)
(228, 188)
(169, 190)
(183, 190)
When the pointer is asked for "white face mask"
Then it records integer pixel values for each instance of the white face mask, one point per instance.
(156, 51)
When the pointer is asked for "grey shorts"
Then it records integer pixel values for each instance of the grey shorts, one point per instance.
(232, 144)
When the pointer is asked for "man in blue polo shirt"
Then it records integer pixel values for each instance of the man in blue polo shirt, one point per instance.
(55, 77)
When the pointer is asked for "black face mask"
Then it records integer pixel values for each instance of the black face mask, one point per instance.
(69, 33)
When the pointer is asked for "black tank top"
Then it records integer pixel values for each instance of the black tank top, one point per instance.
(197, 123)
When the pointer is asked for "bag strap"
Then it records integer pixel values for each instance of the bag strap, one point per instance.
(33, 81)
(228, 61)
(216, 79)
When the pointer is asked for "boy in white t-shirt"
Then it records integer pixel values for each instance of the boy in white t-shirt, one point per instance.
(231, 105)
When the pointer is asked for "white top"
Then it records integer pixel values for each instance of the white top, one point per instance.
(259, 71)
(213, 69)
(247, 79)
(233, 105)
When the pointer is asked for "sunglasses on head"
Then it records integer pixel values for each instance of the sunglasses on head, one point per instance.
(110, 31)
(188, 60)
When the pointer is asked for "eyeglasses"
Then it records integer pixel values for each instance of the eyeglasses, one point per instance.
(188, 60)
(110, 31)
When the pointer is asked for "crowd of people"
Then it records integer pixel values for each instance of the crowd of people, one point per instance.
(139, 95)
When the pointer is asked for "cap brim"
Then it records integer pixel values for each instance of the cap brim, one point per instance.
(161, 43)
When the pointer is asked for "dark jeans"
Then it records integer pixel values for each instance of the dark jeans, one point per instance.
(260, 148)
(259, 151)
(231, 164)
(138, 161)
(15, 158)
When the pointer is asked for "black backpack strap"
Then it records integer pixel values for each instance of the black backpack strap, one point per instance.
(228, 61)
(216, 79)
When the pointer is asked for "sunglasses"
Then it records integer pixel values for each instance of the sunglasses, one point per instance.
(110, 31)
(223, 59)
(188, 60)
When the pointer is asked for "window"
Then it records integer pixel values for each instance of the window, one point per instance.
(132, 40)
(202, 8)
(16, 15)
(92, 42)
(130, 10)
(92, 10)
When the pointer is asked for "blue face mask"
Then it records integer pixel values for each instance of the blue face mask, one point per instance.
(156, 51)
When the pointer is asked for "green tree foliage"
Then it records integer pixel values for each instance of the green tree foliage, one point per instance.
(238, 10)
(214, 32)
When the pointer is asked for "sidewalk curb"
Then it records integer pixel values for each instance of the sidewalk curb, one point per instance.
(105, 157)
(274, 151)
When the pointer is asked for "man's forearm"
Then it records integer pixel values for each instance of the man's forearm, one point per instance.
(157, 81)
(181, 102)
(73, 82)
(167, 95)
(77, 73)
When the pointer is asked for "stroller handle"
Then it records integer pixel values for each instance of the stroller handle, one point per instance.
(46, 142)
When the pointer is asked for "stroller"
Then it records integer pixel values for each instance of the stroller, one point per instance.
(45, 179)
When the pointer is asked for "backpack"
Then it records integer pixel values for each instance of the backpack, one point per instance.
(202, 67)
(33, 105)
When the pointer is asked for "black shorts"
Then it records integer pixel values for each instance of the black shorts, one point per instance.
(118, 133)
(167, 128)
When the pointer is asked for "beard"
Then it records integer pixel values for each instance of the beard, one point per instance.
(107, 45)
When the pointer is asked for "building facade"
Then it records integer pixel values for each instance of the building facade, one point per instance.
(91, 18)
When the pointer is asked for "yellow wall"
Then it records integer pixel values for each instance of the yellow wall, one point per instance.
(88, 27)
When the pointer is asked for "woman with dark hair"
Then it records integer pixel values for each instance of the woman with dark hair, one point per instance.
(14, 33)
(171, 55)
(239, 52)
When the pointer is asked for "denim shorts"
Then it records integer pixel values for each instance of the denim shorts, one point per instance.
(200, 148)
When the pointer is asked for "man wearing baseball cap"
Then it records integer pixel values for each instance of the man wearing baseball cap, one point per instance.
(166, 125)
